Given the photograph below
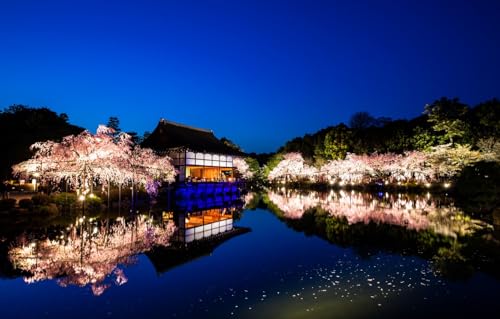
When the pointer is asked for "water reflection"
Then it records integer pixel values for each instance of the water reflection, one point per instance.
(409, 211)
(364, 255)
(95, 251)
(199, 225)
(433, 228)
(89, 251)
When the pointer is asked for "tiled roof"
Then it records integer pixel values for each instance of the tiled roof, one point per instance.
(170, 135)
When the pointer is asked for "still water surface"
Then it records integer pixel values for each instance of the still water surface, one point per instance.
(285, 255)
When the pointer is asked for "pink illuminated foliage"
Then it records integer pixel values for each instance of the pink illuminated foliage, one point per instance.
(86, 159)
(242, 167)
(291, 168)
(441, 163)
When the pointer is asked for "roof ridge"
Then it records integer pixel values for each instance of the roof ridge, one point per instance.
(162, 120)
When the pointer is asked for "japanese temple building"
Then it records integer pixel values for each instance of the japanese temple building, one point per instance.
(196, 153)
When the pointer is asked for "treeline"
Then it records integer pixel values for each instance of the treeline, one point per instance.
(446, 121)
(451, 145)
(21, 126)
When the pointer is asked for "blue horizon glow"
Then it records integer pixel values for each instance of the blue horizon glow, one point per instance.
(256, 72)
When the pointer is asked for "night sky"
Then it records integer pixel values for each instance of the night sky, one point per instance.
(257, 72)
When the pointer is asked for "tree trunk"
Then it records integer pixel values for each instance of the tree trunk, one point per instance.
(119, 198)
(108, 195)
(132, 197)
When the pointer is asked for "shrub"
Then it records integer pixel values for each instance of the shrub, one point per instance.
(50, 209)
(478, 187)
(7, 204)
(64, 199)
(93, 204)
(40, 199)
(483, 177)
(26, 203)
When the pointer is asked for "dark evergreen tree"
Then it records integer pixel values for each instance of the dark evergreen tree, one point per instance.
(21, 126)
(114, 123)
(231, 144)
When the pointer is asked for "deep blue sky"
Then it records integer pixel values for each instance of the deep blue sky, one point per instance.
(258, 72)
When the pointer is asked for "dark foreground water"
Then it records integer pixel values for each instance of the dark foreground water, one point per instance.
(309, 255)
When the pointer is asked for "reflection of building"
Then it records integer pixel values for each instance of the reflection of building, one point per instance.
(197, 234)
(196, 153)
(203, 218)
(94, 252)
(202, 224)
(166, 258)
(193, 196)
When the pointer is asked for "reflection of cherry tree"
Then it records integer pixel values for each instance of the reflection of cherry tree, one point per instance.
(89, 254)
(86, 158)
(417, 213)
(293, 207)
(248, 198)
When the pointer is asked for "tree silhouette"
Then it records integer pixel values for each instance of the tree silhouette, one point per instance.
(231, 144)
(114, 123)
(361, 120)
(21, 126)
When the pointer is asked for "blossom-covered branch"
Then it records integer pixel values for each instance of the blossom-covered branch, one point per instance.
(84, 159)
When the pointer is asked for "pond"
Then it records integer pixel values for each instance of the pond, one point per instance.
(276, 254)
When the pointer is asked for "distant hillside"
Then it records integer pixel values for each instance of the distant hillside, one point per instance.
(21, 126)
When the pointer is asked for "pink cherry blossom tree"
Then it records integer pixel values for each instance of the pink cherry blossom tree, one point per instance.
(410, 167)
(86, 159)
(292, 168)
(242, 167)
